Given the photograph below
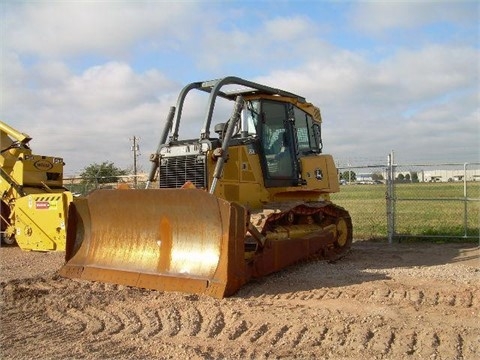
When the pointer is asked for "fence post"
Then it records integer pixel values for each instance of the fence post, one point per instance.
(465, 201)
(390, 197)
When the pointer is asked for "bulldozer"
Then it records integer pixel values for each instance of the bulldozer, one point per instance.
(34, 203)
(241, 202)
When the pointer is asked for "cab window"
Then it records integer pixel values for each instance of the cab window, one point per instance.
(275, 141)
(250, 115)
(308, 132)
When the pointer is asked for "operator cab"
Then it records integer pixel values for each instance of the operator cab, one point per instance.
(284, 134)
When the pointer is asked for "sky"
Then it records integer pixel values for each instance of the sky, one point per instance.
(83, 78)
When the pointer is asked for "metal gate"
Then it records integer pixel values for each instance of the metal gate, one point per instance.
(432, 201)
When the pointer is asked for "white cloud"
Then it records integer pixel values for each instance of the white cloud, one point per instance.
(375, 17)
(280, 41)
(287, 28)
(414, 98)
(414, 101)
(89, 118)
(434, 70)
(66, 29)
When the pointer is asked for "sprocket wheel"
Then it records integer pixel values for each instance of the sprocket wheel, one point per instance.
(343, 235)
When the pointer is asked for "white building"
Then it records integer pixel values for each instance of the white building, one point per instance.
(449, 175)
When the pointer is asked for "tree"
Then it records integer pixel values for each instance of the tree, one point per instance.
(400, 178)
(103, 173)
(377, 176)
(414, 176)
(348, 176)
(407, 177)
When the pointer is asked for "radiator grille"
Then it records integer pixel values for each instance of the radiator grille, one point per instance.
(176, 171)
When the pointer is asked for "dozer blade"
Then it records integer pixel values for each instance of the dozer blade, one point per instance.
(170, 239)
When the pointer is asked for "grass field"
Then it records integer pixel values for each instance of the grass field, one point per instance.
(435, 210)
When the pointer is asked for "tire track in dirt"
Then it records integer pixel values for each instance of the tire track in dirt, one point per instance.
(153, 322)
(465, 298)
(383, 316)
(226, 321)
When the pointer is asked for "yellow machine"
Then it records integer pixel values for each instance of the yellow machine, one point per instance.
(34, 202)
(242, 203)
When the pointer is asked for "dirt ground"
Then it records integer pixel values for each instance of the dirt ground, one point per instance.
(401, 301)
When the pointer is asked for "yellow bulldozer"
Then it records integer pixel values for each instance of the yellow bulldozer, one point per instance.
(34, 203)
(241, 203)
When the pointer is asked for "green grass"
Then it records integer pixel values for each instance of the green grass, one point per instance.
(435, 216)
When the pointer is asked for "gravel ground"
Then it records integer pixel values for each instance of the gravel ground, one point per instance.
(401, 301)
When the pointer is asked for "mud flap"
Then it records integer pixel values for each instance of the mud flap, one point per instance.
(165, 239)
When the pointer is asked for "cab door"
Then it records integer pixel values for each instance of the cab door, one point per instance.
(278, 145)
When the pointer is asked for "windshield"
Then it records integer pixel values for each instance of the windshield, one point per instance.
(250, 116)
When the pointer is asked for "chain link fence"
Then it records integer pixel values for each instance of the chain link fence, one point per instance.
(82, 187)
(362, 194)
(412, 201)
(386, 200)
(434, 201)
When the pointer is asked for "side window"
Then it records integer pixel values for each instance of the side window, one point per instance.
(275, 142)
(307, 132)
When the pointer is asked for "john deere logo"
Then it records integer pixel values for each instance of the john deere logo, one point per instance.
(43, 165)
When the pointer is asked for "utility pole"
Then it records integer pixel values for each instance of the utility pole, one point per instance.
(136, 152)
